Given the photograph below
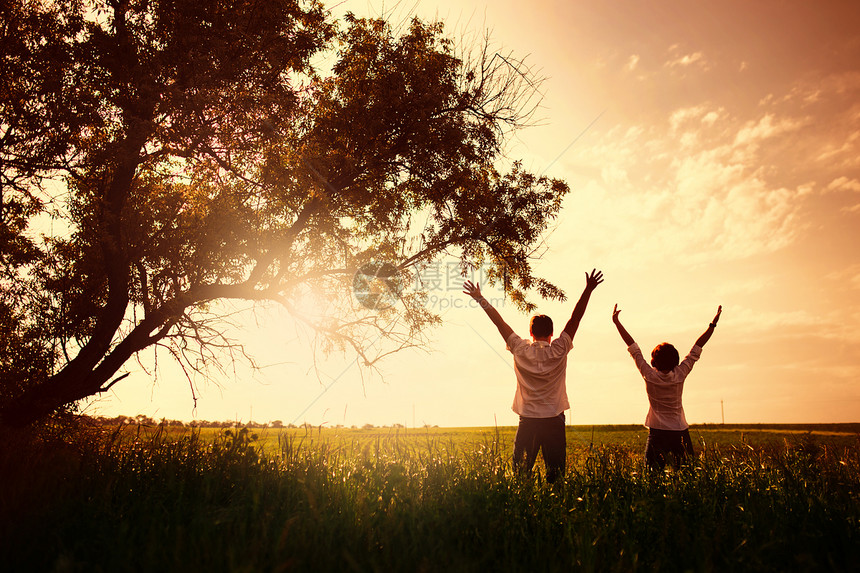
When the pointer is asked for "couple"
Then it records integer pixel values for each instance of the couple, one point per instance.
(541, 395)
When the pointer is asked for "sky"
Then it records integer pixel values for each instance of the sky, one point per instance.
(712, 150)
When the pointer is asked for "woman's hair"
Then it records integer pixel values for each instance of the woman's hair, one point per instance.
(664, 357)
(540, 326)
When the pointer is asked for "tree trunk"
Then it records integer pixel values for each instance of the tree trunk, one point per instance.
(42, 400)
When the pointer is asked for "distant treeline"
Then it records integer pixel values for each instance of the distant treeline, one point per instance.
(142, 420)
(850, 428)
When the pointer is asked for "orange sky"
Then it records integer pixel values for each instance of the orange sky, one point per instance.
(723, 168)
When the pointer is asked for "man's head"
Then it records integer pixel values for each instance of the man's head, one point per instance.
(665, 357)
(540, 326)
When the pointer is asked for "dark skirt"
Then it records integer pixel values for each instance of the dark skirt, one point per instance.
(668, 446)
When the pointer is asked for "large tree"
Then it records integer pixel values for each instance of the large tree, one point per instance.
(161, 155)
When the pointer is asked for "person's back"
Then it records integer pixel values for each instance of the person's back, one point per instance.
(541, 371)
(665, 391)
(668, 431)
(665, 388)
(541, 394)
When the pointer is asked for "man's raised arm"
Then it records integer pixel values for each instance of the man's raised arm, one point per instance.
(591, 282)
(474, 291)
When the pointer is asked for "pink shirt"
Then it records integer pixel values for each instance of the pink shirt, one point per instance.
(664, 389)
(541, 369)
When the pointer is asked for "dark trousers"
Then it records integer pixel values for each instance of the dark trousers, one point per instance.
(668, 446)
(546, 434)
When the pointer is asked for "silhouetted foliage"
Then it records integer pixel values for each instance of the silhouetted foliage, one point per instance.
(159, 156)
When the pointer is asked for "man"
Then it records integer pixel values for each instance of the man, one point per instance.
(541, 395)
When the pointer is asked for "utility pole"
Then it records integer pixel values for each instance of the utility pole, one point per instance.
(722, 412)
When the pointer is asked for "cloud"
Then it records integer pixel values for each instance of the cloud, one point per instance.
(729, 211)
(837, 84)
(693, 120)
(765, 128)
(808, 327)
(632, 62)
(849, 276)
(806, 142)
(757, 320)
(686, 114)
(845, 152)
(732, 287)
(694, 117)
(704, 196)
(686, 60)
(711, 118)
(844, 184)
(614, 175)
(825, 112)
(818, 90)
(805, 189)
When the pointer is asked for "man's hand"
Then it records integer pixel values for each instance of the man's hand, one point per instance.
(615, 313)
(472, 290)
(593, 279)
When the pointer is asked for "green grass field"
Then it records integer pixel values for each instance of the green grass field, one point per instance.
(756, 498)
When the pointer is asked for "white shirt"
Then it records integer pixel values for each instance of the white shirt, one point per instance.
(541, 369)
(664, 390)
